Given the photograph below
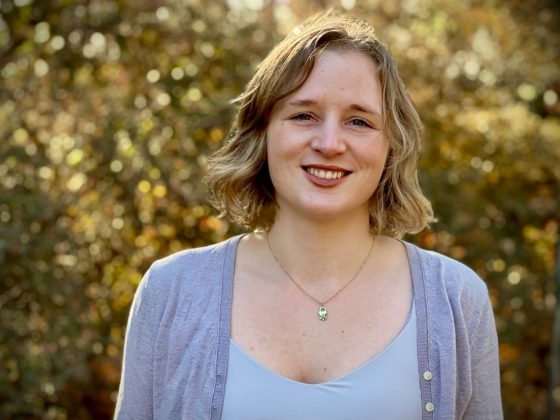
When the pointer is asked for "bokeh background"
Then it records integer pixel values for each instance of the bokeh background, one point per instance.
(108, 110)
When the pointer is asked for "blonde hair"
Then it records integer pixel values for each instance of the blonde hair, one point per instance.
(238, 178)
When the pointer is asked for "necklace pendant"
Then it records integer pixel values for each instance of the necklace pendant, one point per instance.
(323, 313)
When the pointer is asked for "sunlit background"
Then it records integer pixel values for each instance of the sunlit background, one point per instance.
(108, 110)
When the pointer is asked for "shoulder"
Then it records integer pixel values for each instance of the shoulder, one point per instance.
(188, 269)
(193, 259)
(444, 275)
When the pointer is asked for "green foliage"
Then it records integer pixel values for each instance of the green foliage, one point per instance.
(109, 108)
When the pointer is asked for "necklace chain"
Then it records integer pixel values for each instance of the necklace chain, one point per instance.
(322, 309)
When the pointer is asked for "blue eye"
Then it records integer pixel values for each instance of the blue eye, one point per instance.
(302, 117)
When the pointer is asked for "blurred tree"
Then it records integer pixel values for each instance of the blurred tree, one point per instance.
(108, 109)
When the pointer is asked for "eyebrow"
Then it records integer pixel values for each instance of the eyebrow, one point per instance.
(357, 107)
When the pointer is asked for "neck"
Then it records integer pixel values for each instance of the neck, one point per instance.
(314, 252)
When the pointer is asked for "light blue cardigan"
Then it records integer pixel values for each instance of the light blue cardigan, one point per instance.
(177, 340)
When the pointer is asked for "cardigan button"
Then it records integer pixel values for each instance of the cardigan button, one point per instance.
(427, 375)
(429, 407)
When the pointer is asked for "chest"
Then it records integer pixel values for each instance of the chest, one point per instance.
(280, 328)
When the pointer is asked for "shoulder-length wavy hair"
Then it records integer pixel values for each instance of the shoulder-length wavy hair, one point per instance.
(238, 177)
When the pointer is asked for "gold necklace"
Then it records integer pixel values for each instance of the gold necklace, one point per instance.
(323, 311)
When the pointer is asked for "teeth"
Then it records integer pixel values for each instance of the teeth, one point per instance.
(325, 174)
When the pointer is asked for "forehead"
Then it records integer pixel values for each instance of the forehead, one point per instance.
(342, 76)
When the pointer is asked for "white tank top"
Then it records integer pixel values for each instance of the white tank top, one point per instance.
(387, 387)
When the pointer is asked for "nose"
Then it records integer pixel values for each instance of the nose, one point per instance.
(329, 140)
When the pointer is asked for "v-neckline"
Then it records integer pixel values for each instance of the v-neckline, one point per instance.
(413, 307)
(409, 323)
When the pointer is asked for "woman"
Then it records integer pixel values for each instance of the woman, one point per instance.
(321, 311)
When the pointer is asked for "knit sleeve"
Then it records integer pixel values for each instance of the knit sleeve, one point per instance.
(135, 397)
(485, 402)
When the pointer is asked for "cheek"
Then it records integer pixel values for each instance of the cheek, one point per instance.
(281, 143)
(375, 154)
(382, 148)
(273, 137)
(274, 154)
(384, 154)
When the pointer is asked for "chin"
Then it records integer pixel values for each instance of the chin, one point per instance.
(331, 213)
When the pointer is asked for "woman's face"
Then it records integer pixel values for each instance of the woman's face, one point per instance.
(326, 148)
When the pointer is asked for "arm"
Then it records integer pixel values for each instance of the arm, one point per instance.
(135, 398)
(486, 401)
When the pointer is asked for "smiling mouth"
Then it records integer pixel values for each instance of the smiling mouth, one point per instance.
(326, 173)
